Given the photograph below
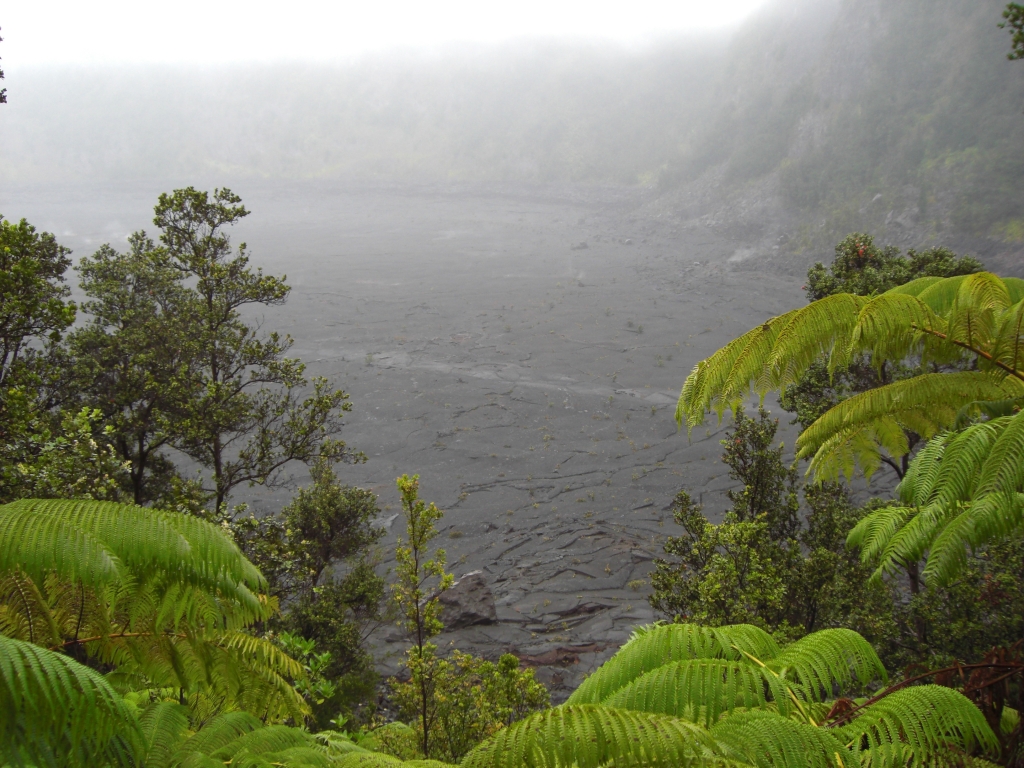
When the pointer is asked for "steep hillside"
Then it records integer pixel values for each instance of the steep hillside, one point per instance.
(908, 123)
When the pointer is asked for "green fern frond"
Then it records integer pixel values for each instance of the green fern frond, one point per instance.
(888, 325)
(262, 653)
(56, 711)
(953, 476)
(25, 613)
(990, 409)
(977, 317)
(368, 760)
(294, 757)
(163, 725)
(1015, 287)
(861, 445)
(928, 402)
(873, 534)
(238, 669)
(667, 643)
(987, 518)
(941, 295)
(100, 543)
(272, 738)
(772, 741)
(39, 543)
(720, 373)
(960, 491)
(589, 736)
(700, 690)
(1003, 469)
(216, 734)
(829, 659)
(159, 597)
(810, 333)
(1008, 345)
(929, 721)
(916, 287)
(337, 744)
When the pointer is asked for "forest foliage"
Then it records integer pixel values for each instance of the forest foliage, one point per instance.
(203, 635)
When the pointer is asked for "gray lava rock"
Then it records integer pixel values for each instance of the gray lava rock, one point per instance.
(469, 602)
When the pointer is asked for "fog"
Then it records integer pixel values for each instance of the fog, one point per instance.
(512, 252)
(226, 31)
(527, 110)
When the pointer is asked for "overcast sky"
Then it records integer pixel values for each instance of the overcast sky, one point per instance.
(215, 31)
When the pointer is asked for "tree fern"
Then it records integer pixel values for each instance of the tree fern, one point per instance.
(274, 738)
(97, 544)
(701, 690)
(716, 705)
(56, 712)
(767, 739)
(962, 490)
(588, 736)
(372, 760)
(924, 404)
(977, 315)
(656, 646)
(214, 735)
(974, 495)
(829, 660)
(164, 725)
(913, 725)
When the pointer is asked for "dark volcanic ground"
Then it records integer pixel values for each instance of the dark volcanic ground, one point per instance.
(529, 380)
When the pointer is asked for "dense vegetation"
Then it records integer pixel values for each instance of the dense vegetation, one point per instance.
(131, 635)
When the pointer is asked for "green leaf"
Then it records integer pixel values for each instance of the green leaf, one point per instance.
(59, 712)
(656, 646)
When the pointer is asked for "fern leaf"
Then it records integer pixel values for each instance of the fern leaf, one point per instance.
(930, 720)
(98, 543)
(916, 287)
(811, 332)
(666, 643)
(700, 690)
(967, 488)
(273, 738)
(40, 543)
(887, 326)
(59, 712)
(931, 317)
(293, 757)
(214, 735)
(589, 736)
(368, 760)
(826, 660)
(770, 740)
(941, 295)
(25, 613)
(989, 517)
(859, 445)
(874, 531)
(950, 470)
(931, 400)
(720, 372)
(164, 725)
(1003, 470)
(1008, 345)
